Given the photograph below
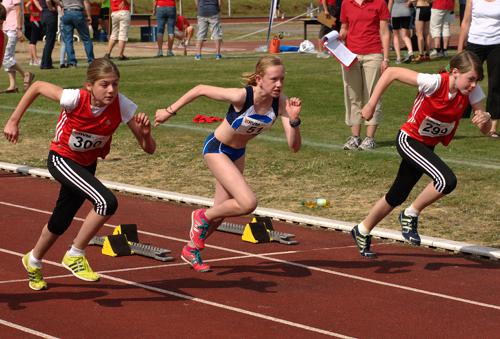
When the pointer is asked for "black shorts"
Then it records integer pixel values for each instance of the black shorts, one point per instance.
(401, 22)
(423, 14)
(36, 32)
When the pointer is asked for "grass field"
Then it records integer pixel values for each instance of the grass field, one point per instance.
(352, 181)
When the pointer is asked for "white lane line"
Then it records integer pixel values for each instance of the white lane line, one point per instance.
(26, 329)
(312, 268)
(480, 163)
(202, 301)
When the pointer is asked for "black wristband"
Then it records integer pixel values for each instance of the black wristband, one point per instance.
(295, 122)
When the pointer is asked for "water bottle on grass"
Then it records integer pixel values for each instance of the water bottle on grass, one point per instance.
(316, 203)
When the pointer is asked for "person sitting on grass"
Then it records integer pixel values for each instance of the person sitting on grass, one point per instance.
(434, 118)
(252, 110)
(88, 119)
(183, 31)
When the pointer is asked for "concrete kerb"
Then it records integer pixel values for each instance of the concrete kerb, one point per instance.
(432, 242)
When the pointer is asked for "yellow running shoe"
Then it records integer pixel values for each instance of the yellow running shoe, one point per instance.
(35, 277)
(80, 267)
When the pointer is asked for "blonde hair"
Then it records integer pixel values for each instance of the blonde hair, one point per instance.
(260, 68)
(466, 61)
(100, 68)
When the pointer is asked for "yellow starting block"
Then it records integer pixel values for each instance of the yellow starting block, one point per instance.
(259, 230)
(125, 241)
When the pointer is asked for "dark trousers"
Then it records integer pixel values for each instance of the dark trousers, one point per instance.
(490, 54)
(49, 24)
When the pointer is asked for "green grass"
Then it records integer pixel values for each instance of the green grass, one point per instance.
(352, 181)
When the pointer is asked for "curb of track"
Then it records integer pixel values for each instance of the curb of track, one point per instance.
(290, 217)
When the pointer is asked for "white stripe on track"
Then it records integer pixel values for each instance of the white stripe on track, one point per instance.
(479, 163)
(312, 268)
(204, 301)
(26, 329)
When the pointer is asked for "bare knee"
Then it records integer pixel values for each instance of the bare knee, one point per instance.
(247, 204)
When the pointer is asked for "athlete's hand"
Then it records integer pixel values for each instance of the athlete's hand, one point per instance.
(142, 120)
(162, 115)
(11, 132)
(368, 111)
(480, 118)
(293, 107)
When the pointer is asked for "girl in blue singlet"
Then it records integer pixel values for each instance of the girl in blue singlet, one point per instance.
(252, 110)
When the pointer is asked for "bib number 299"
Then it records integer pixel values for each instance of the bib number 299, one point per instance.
(433, 128)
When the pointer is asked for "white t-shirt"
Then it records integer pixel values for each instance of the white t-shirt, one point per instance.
(71, 97)
(485, 23)
(429, 83)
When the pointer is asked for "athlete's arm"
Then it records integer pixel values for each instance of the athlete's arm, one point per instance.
(141, 128)
(403, 75)
(235, 96)
(290, 114)
(48, 90)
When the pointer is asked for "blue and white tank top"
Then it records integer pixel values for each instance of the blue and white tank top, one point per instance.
(247, 121)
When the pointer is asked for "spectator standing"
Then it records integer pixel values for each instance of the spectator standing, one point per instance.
(34, 8)
(103, 22)
(330, 9)
(3, 37)
(461, 4)
(74, 18)
(365, 29)
(208, 17)
(481, 30)
(422, 19)
(400, 22)
(63, 57)
(120, 23)
(12, 27)
(440, 26)
(49, 24)
(166, 13)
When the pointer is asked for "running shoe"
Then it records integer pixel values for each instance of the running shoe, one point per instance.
(79, 266)
(367, 144)
(192, 257)
(197, 57)
(199, 229)
(170, 53)
(218, 56)
(363, 242)
(408, 58)
(409, 227)
(352, 143)
(35, 277)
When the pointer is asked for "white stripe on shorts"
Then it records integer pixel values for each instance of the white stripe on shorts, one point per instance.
(79, 182)
(437, 176)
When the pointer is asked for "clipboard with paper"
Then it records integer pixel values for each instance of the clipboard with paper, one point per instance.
(335, 47)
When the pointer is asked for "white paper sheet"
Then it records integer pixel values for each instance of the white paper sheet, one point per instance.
(338, 49)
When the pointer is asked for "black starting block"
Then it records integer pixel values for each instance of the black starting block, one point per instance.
(125, 241)
(257, 231)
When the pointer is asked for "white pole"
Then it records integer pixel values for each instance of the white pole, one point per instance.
(180, 7)
(132, 7)
(228, 7)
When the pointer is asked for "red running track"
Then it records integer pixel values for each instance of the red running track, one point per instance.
(320, 287)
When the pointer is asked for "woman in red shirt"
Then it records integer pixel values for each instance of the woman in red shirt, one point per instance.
(34, 8)
(88, 119)
(434, 118)
(366, 33)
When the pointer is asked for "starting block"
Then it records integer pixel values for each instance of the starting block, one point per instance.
(125, 241)
(259, 230)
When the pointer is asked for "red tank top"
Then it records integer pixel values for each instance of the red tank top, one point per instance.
(435, 118)
(115, 6)
(83, 137)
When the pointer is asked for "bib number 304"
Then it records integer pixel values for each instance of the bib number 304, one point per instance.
(82, 141)
(435, 128)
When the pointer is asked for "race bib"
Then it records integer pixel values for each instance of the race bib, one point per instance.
(434, 128)
(82, 141)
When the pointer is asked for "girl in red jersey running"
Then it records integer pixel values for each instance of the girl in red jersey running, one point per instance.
(252, 110)
(88, 119)
(436, 113)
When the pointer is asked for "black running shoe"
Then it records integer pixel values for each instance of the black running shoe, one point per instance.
(363, 242)
(409, 227)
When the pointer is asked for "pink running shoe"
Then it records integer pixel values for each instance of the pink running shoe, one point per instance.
(199, 228)
(193, 258)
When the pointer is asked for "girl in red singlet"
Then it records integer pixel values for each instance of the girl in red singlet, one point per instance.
(434, 118)
(88, 119)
